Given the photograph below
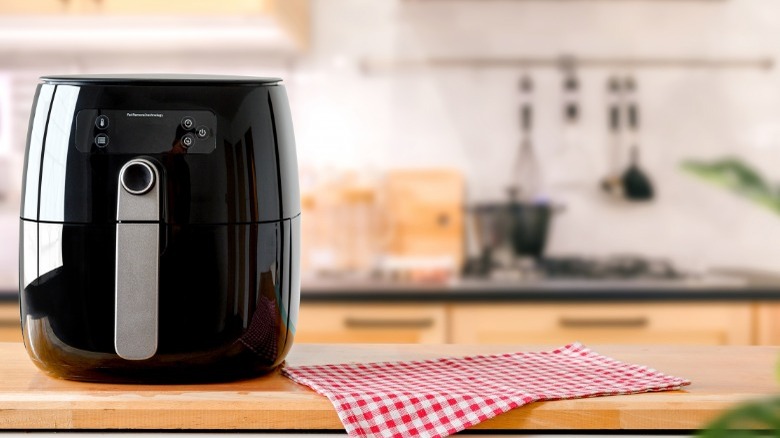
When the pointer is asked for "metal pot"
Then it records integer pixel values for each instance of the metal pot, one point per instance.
(505, 232)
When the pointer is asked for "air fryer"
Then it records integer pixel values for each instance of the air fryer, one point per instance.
(160, 228)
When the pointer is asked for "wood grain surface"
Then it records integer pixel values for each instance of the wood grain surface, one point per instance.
(721, 376)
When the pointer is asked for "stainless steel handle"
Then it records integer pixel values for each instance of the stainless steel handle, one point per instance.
(569, 322)
(137, 260)
(389, 323)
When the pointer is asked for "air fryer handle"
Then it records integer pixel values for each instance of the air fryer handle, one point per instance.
(137, 260)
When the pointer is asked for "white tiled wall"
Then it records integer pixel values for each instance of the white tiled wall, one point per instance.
(466, 118)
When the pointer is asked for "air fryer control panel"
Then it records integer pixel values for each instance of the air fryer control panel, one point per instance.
(145, 131)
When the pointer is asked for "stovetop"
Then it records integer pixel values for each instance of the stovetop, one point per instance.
(586, 273)
(621, 277)
(627, 272)
(626, 267)
(580, 268)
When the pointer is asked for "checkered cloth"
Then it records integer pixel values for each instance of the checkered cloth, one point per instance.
(436, 398)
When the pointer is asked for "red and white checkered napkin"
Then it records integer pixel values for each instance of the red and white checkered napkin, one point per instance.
(436, 398)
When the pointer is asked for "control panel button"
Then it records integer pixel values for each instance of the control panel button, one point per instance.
(101, 122)
(135, 132)
(187, 140)
(202, 132)
(188, 123)
(101, 140)
(137, 177)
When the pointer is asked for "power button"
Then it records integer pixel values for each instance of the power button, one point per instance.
(202, 132)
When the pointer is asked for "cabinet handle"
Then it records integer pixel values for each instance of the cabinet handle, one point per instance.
(637, 322)
(360, 323)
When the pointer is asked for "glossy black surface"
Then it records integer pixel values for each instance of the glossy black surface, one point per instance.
(36, 132)
(222, 288)
(250, 177)
(228, 277)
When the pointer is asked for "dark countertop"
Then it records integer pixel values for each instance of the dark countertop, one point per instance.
(712, 289)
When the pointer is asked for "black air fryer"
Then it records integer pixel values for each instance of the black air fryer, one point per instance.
(160, 228)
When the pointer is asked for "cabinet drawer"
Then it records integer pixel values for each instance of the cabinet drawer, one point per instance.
(10, 330)
(600, 323)
(376, 323)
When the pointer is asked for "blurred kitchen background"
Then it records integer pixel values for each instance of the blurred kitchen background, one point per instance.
(480, 170)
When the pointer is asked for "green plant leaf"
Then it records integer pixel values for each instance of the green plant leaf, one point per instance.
(747, 420)
(777, 371)
(738, 177)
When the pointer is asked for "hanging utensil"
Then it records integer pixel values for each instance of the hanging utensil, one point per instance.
(571, 166)
(636, 183)
(613, 183)
(525, 184)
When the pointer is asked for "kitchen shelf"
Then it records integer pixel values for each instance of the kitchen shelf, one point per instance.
(378, 65)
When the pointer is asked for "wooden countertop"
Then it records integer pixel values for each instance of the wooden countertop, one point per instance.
(721, 376)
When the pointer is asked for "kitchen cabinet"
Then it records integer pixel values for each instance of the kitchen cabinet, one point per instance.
(373, 323)
(46, 7)
(178, 7)
(603, 323)
(283, 24)
(291, 16)
(186, 7)
(767, 323)
(532, 323)
(10, 330)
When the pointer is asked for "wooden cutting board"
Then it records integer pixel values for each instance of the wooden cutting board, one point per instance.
(425, 212)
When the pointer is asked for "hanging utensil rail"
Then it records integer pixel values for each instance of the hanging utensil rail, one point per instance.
(376, 65)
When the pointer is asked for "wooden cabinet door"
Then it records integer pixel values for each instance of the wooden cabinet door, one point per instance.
(371, 323)
(767, 323)
(603, 323)
(10, 328)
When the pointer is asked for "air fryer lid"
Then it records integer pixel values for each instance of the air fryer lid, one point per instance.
(160, 79)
